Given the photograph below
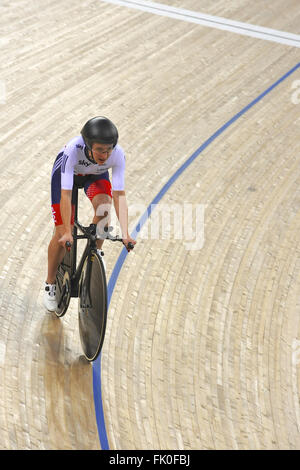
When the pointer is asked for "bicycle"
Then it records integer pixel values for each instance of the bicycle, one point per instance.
(87, 281)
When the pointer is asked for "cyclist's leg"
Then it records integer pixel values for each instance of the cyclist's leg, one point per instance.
(100, 194)
(55, 251)
(102, 205)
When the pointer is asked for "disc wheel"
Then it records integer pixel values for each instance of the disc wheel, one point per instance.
(92, 306)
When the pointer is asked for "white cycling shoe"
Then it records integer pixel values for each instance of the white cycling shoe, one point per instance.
(50, 302)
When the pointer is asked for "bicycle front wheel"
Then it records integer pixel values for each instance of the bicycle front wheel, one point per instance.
(92, 306)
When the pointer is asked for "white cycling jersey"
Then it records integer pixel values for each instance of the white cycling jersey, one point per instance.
(73, 161)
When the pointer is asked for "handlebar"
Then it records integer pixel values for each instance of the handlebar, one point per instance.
(130, 245)
(106, 236)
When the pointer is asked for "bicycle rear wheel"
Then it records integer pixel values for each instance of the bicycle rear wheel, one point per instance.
(92, 306)
(63, 284)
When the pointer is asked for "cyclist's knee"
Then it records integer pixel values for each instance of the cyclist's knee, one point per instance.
(102, 205)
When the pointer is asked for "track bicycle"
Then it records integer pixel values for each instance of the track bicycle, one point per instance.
(87, 281)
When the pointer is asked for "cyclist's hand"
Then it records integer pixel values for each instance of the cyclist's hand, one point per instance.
(67, 237)
(127, 241)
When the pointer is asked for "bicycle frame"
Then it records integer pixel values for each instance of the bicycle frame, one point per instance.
(90, 234)
(87, 281)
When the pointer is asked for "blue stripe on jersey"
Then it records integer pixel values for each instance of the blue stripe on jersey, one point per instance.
(57, 163)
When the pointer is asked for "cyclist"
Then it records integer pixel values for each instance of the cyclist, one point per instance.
(86, 158)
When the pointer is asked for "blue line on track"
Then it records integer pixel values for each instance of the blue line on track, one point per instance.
(118, 266)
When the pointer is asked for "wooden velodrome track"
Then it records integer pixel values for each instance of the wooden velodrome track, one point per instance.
(202, 349)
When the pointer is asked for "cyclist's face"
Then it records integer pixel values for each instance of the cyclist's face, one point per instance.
(101, 152)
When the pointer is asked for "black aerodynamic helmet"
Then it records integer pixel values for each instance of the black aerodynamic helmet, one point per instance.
(99, 129)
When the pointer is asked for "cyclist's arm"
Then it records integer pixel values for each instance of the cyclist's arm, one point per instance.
(67, 178)
(119, 196)
(66, 209)
(121, 208)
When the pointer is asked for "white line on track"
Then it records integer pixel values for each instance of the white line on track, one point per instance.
(210, 21)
